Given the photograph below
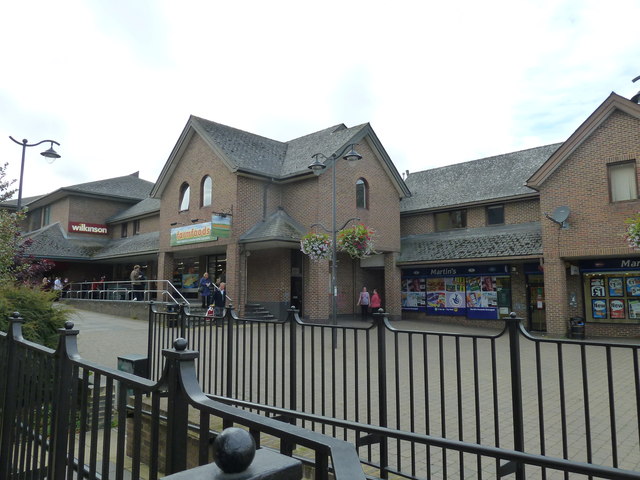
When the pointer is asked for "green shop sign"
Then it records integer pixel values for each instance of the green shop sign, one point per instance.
(200, 232)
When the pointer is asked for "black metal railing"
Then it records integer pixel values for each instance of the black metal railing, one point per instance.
(392, 391)
(65, 417)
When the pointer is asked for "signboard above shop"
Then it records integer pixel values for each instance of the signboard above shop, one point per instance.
(90, 228)
(188, 234)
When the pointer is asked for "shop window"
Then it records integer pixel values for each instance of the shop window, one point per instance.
(495, 215)
(136, 227)
(612, 297)
(362, 193)
(622, 181)
(451, 220)
(123, 230)
(206, 191)
(185, 193)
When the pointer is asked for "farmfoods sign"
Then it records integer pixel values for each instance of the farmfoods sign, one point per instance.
(200, 232)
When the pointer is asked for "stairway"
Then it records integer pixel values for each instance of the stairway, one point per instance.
(257, 311)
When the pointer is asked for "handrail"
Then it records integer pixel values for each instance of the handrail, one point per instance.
(112, 289)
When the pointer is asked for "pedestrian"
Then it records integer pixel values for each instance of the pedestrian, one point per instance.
(219, 299)
(204, 289)
(376, 302)
(363, 301)
(136, 278)
(45, 284)
(57, 287)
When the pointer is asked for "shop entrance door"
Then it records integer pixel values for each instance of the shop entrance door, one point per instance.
(537, 304)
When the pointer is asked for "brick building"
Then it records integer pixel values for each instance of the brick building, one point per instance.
(463, 243)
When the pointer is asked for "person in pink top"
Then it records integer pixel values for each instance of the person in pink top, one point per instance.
(376, 303)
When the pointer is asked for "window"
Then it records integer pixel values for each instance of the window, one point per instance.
(46, 215)
(622, 181)
(185, 193)
(495, 215)
(207, 191)
(123, 230)
(362, 193)
(451, 220)
(136, 227)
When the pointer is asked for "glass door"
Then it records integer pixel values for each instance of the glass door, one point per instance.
(537, 304)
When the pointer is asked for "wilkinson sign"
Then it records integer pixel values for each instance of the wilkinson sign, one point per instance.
(92, 228)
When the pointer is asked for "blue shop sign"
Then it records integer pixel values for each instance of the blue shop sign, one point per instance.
(456, 271)
(610, 264)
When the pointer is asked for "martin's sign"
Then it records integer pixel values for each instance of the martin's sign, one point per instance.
(91, 228)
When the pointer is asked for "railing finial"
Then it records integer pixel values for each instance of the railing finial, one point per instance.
(234, 450)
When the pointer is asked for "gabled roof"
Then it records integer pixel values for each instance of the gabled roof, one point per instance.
(251, 154)
(517, 240)
(493, 178)
(145, 207)
(598, 117)
(52, 242)
(279, 226)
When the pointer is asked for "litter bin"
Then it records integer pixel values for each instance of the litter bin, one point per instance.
(576, 328)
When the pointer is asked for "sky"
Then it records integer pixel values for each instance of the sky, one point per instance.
(114, 81)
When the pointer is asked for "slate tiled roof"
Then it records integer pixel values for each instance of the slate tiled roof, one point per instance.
(52, 242)
(278, 226)
(136, 244)
(497, 177)
(128, 186)
(269, 157)
(473, 243)
(144, 207)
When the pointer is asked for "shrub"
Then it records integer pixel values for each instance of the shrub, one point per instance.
(42, 316)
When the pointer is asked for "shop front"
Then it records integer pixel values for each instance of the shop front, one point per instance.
(477, 292)
(611, 290)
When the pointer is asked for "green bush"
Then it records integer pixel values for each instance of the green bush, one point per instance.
(42, 316)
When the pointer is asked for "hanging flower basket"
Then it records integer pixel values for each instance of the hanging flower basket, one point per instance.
(356, 241)
(633, 231)
(316, 245)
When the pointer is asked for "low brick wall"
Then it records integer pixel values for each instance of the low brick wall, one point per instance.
(136, 310)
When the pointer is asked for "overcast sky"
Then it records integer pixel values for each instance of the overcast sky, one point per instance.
(114, 81)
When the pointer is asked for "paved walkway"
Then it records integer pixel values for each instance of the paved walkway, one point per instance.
(104, 337)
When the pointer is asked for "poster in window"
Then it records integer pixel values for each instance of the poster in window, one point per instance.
(436, 300)
(597, 287)
(633, 286)
(616, 287)
(634, 308)
(616, 308)
(599, 308)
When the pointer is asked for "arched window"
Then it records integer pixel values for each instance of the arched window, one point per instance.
(206, 191)
(362, 193)
(185, 193)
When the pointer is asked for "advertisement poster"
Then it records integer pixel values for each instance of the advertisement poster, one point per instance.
(190, 281)
(599, 308)
(482, 297)
(634, 308)
(633, 286)
(413, 294)
(616, 308)
(445, 295)
(616, 287)
(597, 287)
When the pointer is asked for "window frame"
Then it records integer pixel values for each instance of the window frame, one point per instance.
(450, 223)
(185, 191)
(204, 190)
(123, 230)
(487, 216)
(612, 190)
(136, 227)
(365, 193)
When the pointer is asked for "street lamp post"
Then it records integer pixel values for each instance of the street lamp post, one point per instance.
(49, 153)
(317, 167)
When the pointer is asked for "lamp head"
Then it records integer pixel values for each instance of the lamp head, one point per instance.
(50, 153)
(352, 155)
(317, 166)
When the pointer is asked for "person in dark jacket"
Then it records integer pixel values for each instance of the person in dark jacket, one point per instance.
(220, 299)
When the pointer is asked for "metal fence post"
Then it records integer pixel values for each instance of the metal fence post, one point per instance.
(182, 320)
(229, 320)
(513, 324)
(9, 402)
(382, 390)
(150, 335)
(177, 406)
(293, 360)
(61, 407)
